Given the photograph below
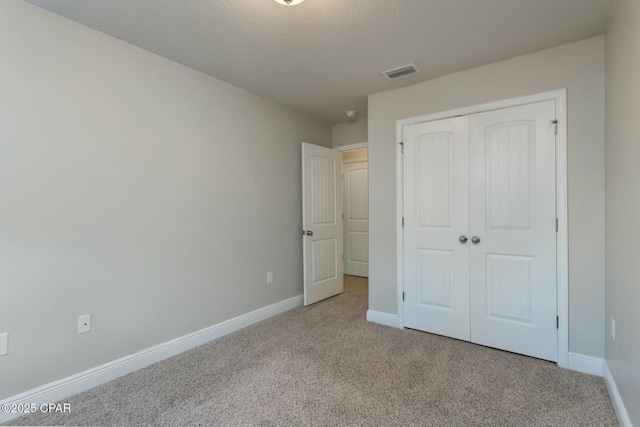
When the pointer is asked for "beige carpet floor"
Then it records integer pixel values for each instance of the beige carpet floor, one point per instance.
(325, 365)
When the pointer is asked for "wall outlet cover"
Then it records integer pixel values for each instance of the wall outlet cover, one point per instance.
(84, 323)
(613, 329)
(4, 343)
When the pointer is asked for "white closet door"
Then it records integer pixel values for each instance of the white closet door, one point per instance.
(355, 192)
(436, 212)
(513, 219)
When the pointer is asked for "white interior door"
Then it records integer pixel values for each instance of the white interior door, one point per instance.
(355, 192)
(436, 216)
(480, 229)
(321, 223)
(513, 215)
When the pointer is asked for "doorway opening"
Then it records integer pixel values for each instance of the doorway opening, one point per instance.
(330, 184)
(355, 211)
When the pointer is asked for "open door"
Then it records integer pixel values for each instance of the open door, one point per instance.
(321, 223)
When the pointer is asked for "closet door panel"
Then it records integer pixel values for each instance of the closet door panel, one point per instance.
(513, 222)
(436, 214)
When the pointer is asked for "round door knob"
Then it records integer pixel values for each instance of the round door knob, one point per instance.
(309, 233)
(463, 239)
(475, 240)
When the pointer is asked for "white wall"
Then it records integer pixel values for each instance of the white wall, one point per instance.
(142, 192)
(623, 201)
(579, 68)
(350, 133)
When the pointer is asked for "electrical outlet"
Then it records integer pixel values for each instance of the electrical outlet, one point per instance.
(84, 323)
(4, 344)
(270, 277)
(613, 329)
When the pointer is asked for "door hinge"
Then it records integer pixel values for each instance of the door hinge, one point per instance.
(402, 222)
(403, 296)
(401, 147)
(555, 126)
(342, 175)
(557, 226)
(342, 216)
(557, 322)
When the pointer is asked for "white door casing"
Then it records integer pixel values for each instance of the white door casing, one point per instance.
(355, 192)
(436, 195)
(509, 275)
(513, 213)
(321, 223)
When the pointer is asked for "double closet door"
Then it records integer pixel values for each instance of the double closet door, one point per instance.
(480, 229)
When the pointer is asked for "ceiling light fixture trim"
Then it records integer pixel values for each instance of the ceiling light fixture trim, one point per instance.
(289, 2)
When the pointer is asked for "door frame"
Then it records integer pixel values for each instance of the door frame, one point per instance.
(562, 242)
(352, 147)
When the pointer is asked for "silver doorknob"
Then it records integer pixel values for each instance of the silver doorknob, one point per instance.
(463, 239)
(475, 240)
(309, 233)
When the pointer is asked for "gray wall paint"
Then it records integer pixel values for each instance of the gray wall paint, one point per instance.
(137, 190)
(350, 133)
(579, 67)
(623, 201)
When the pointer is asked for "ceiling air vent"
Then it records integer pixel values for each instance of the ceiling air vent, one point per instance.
(405, 70)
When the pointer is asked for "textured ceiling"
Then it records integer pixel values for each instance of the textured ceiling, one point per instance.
(325, 56)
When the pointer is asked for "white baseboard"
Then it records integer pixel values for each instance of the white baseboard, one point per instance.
(66, 387)
(382, 318)
(586, 364)
(618, 404)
